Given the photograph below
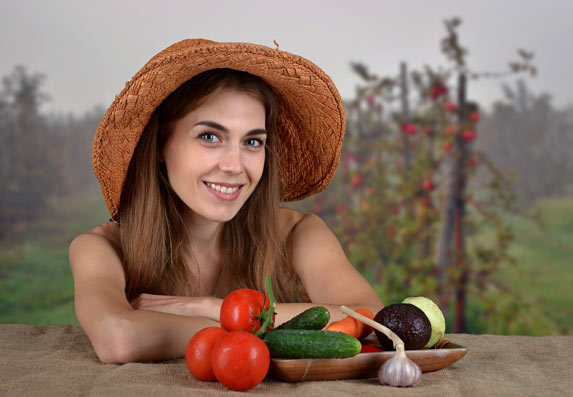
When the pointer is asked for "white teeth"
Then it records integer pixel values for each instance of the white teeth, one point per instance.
(223, 189)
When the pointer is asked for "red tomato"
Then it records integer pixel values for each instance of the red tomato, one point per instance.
(241, 310)
(240, 360)
(198, 352)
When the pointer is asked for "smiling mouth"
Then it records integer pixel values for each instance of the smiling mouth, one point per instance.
(223, 189)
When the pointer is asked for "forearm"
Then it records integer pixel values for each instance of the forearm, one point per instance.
(143, 335)
(120, 333)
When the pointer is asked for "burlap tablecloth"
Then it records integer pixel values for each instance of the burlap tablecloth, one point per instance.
(59, 361)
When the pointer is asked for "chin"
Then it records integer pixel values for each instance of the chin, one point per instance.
(219, 216)
(222, 219)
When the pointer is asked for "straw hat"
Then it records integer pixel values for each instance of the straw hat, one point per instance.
(311, 121)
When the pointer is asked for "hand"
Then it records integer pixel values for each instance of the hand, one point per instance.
(182, 305)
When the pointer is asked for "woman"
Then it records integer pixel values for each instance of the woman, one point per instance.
(194, 157)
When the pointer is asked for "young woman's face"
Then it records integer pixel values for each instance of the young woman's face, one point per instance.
(216, 154)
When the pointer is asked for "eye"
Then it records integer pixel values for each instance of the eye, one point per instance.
(208, 137)
(254, 142)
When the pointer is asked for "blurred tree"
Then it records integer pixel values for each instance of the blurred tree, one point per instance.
(531, 141)
(28, 175)
(41, 157)
(73, 151)
(410, 226)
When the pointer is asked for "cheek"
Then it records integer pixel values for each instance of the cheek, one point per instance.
(179, 165)
(257, 167)
(173, 168)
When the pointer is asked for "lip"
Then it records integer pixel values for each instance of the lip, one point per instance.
(223, 196)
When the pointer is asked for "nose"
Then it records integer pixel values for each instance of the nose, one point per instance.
(231, 160)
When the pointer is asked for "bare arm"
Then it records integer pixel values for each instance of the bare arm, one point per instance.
(329, 278)
(162, 325)
(119, 333)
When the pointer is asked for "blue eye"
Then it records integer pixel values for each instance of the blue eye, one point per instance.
(208, 137)
(254, 142)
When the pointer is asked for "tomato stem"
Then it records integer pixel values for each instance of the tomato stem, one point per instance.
(268, 313)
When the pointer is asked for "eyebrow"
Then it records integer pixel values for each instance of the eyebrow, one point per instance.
(212, 124)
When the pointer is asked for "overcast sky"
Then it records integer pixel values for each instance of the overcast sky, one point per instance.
(89, 49)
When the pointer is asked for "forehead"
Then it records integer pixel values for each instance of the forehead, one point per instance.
(231, 103)
(229, 108)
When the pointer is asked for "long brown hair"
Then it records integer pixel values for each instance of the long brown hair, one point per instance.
(154, 240)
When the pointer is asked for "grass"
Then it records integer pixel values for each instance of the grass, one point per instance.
(545, 255)
(36, 285)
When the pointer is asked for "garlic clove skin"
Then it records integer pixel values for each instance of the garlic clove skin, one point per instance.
(400, 371)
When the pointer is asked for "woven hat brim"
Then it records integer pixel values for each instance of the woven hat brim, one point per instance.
(311, 119)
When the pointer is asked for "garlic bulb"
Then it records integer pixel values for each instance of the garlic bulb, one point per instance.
(400, 370)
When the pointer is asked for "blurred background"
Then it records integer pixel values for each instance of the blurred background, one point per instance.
(455, 180)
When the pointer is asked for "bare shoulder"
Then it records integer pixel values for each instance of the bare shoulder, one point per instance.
(298, 223)
(289, 217)
(294, 223)
(96, 253)
(106, 234)
(310, 237)
(109, 231)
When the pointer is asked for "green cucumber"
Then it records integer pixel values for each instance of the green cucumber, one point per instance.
(314, 318)
(303, 343)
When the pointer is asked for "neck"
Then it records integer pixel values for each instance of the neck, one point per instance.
(203, 233)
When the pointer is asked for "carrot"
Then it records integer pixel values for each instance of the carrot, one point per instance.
(353, 327)
(348, 325)
(365, 329)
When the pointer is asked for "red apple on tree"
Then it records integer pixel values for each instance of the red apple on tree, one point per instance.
(438, 90)
(428, 185)
(472, 161)
(474, 116)
(450, 106)
(409, 129)
(469, 135)
(357, 181)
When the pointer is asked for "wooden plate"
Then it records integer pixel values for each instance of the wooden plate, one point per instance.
(363, 365)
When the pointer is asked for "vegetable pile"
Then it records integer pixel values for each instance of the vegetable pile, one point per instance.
(415, 323)
(238, 353)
